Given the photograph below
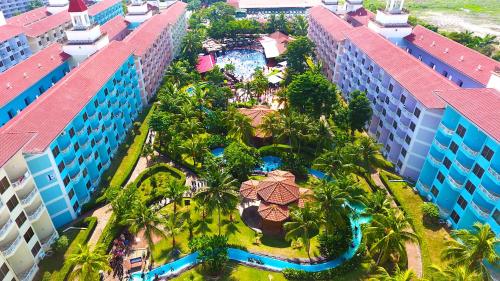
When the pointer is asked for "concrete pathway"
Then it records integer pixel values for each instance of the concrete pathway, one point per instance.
(102, 214)
(413, 252)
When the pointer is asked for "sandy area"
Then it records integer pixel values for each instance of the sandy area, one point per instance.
(480, 25)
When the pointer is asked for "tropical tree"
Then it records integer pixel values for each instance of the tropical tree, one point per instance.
(399, 275)
(269, 125)
(333, 202)
(212, 252)
(259, 83)
(369, 150)
(460, 273)
(297, 52)
(240, 126)
(299, 26)
(304, 224)
(148, 152)
(360, 111)
(388, 234)
(334, 162)
(192, 45)
(221, 188)
(471, 248)
(240, 160)
(173, 226)
(377, 203)
(177, 72)
(120, 200)
(174, 190)
(195, 148)
(87, 264)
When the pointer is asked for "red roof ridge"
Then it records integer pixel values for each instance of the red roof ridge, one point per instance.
(77, 6)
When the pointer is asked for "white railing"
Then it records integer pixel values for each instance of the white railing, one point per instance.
(454, 182)
(48, 241)
(66, 149)
(434, 160)
(423, 186)
(27, 200)
(76, 177)
(489, 194)
(494, 173)
(36, 214)
(469, 150)
(445, 129)
(438, 144)
(5, 227)
(24, 178)
(28, 275)
(462, 167)
(11, 247)
(480, 211)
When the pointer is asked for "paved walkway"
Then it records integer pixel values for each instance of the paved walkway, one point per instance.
(102, 214)
(413, 252)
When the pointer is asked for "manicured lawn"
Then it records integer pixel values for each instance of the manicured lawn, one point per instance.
(432, 240)
(233, 271)
(55, 261)
(154, 185)
(237, 231)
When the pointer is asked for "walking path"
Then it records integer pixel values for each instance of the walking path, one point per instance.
(413, 252)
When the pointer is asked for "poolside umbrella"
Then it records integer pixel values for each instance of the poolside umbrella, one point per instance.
(283, 174)
(278, 190)
(273, 212)
(248, 189)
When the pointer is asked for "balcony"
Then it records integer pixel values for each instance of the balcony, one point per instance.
(445, 130)
(462, 167)
(423, 186)
(29, 198)
(480, 211)
(9, 248)
(454, 183)
(76, 177)
(81, 131)
(490, 195)
(439, 145)
(494, 173)
(19, 183)
(49, 240)
(434, 161)
(469, 150)
(33, 216)
(71, 164)
(5, 227)
(29, 274)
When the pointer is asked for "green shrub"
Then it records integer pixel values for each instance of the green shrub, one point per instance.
(214, 141)
(47, 276)
(274, 150)
(430, 213)
(61, 244)
(337, 241)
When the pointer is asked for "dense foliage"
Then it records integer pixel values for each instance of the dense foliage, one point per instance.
(431, 213)
(241, 160)
(212, 251)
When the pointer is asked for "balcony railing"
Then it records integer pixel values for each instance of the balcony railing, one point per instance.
(482, 213)
(455, 183)
(5, 227)
(494, 173)
(471, 151)
(434, 161)
(28, 199)
(49, 240)
(76, 177)
(462, 167)
(36, 214)
(445, 129)
(22, 179)
(29, 274)
(11, 247)
(489, 194)
(423, 186)
(439, 145)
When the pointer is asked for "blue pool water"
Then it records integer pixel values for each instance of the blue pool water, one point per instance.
(242, 256)
(218, 152)
(269, 163)
(245, 61)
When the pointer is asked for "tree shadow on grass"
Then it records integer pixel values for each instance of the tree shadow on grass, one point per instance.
(275, 241)
(230, 227)
(202, 226)
(224, 275)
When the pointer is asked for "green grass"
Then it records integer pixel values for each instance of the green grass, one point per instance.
(238, 233)
(147, 190)
(233, 271)
(490, 7)
(432, 239)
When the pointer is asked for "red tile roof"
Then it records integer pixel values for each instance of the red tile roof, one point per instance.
(256, 115)
(471, 63)
(11, 143)
(360, 17)
(77, 6)
(249, 189)
(49, 115)
(417, 78)
(9, 31)
(278, 190)
(281, 40)
(114, 27)
(272, 212)
(480, 105)
(22, 76)
(283, 174)
(330, 22)
(40, 27)
(205, 63)
(101, 6)
(29, 17)
(143, 37)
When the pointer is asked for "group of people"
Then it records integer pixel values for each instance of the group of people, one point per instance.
(121, 247)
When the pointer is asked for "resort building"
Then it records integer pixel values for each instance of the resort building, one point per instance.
(268, 7)
(11, 8)
(105, 10)
(156, 43)
(25, 82)
(138, 11)
(461, 173)
(116, 28)
(14, 47)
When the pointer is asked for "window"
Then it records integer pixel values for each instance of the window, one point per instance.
(394, 124)
(106, 139)
(85, 116)
(455, 217)
(391, 136)
(85, 172)
(4, 185)
(55, 151)
(71, 193)
(380, 123)
(108, 150)
(453, 146)
(61, 166)
(432, 65)
(460, 83)
(461, 131)
(412, 126)
(387, 100)
(398, 112)
(388, 148)
(41, 90)
(496, 216)
(403, 152)
(89, 130)
(461, 202)
(391, 87)
(470, 187)
(434, 191)
(12, 58)
(384, 112)
(21, 219)
(80, 160)
(399, 164)
(76, 146)
(96, 155)
(478, 171)
(407, 139)
(416, 112)
(36, 248)
(440, 177)
(377, 90)
(92, 142)
(8, 48)
(26, 101)
(99, 167)
(88, 185)
(447, 162)
(28, 235)
(4, 270)
(96, 103)
(100, 115)
(487, 153)
(75, 206)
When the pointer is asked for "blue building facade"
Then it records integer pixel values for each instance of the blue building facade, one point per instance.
(68, 172)
(11, 109)
(104, 16)
(461, 174)
(11, 8)
(13, 51)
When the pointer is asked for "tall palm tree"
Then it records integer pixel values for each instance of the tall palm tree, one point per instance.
(388, 234)
(460, 273)
(369, 151)
(195, 148)
(305, 222)
(333, 202)
(142, 218)
(399, 275)
(268, 125)
(177, 73)
(378, 203)
(300, 25)
(220, 190)
(240, 127)
(472, 248)
(334, 162)
(174, 190)
(87, 264)
(173, 226)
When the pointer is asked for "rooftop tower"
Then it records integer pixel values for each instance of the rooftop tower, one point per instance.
(353, 5)
(2, 19)
(56, 6)
(138, 11)
(392, 22)
(331, 5)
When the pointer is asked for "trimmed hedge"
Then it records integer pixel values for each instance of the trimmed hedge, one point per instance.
(274, 150)
(81, 238)
(110, 231)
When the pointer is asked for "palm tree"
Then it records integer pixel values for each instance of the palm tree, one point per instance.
(87, 264)
(399, 275)
(173, 226)
(174, 190)
(219, 193)
(369, 151)
(334, 162)
(460, 273)
(240, 127)
(388, 235)
(378, 203)
(304, 224)
(142, 218)
(268, 125)
(472, 248)
(333, 202)
(195, 148)
(300, 25)
(192, 45)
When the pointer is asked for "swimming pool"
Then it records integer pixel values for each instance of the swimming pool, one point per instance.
(269, 163)
(245, 61)
(218, 152)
